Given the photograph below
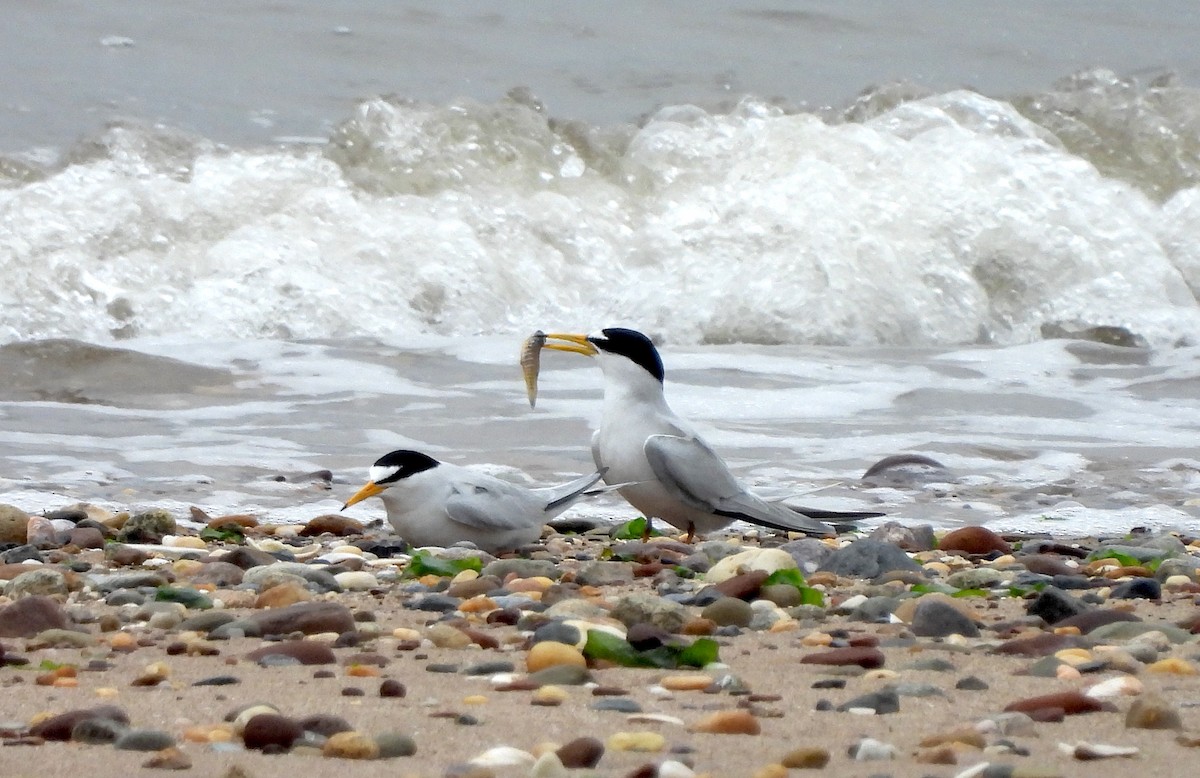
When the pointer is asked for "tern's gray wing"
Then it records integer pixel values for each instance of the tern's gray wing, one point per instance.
(697, 476)
(494, 505)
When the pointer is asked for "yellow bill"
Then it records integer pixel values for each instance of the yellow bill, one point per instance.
(370, 490)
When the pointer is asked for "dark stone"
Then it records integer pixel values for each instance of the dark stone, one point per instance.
(876, 610)
(1074, 582)
(22, 553)
(306, 652)
(435, 603)
(61, 726)
(206, 622)
(977, 541)
(646, 637)
(147, 527)
(744, 586)
(906, 470)
(1138, 589)
(862, 656)
(144, 740)
(729, 611)
(217, 680)
(1053, 605)
(915, 538)
(867, 558)
(830, 683)
(271, 732)
(936, 618)
(30, 615)
(97, 731)
(1070, 702)
(311, 618)
(223, 575)
(1089, 620)
(392, 688)
(392, 745)
(1047, 564)
(332, 524)
(246, 558)
(972, 684)
(490, 668)
(580, 752)
(324, 724)
(883, 701)
(1043, 644)
(558, 632)
(618, 704)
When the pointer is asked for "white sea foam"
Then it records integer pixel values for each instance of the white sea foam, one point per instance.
(951, 219)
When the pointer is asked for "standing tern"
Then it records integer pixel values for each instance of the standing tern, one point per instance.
(666, 469)
(432, 503)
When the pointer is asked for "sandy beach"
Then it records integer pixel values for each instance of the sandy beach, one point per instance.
(461, 648)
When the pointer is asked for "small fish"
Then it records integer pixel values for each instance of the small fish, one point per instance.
(531, 362)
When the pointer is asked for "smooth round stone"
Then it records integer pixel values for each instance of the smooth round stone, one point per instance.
(394, 744)
(98, 731)
(552, 654)
(144, 740)
(618, 704)
(973, 540)
(1152, 712)
(490, 668)
(356, 581)
(728, 722)
(350, 745)
(690, 682)
(244, 715)
(976, 578)
(446, 636)
(729, 611)
(559, 632)
(640, 741)
(581, 752)
(550, 696)
(783, 595)
(562, 675)
(768, 560)
(548, 765)
(869, 749)
(806, 758)
(392, 688)
(271, 731)
(46, 583)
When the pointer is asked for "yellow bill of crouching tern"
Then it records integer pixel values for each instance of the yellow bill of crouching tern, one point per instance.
(667, 470)
(432, 503)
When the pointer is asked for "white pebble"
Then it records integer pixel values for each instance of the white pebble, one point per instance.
(356, 580)
(673, 769)
(503, 756)
(1120, 686)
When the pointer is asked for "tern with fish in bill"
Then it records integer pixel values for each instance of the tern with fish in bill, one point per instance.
(667, 470)
(432, 503)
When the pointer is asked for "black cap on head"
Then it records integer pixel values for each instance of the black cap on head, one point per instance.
(634, 346)
(406, 463)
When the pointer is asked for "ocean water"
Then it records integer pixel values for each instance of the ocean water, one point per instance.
(242, 249)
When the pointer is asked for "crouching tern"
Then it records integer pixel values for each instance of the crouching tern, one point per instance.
(432, 503)
(663, 466)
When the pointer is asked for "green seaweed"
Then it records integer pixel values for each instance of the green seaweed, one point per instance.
(425, 563)
(612, 648)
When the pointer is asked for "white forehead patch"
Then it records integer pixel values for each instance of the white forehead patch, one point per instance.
(377, 473)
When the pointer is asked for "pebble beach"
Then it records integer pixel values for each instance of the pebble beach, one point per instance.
(219, 646)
